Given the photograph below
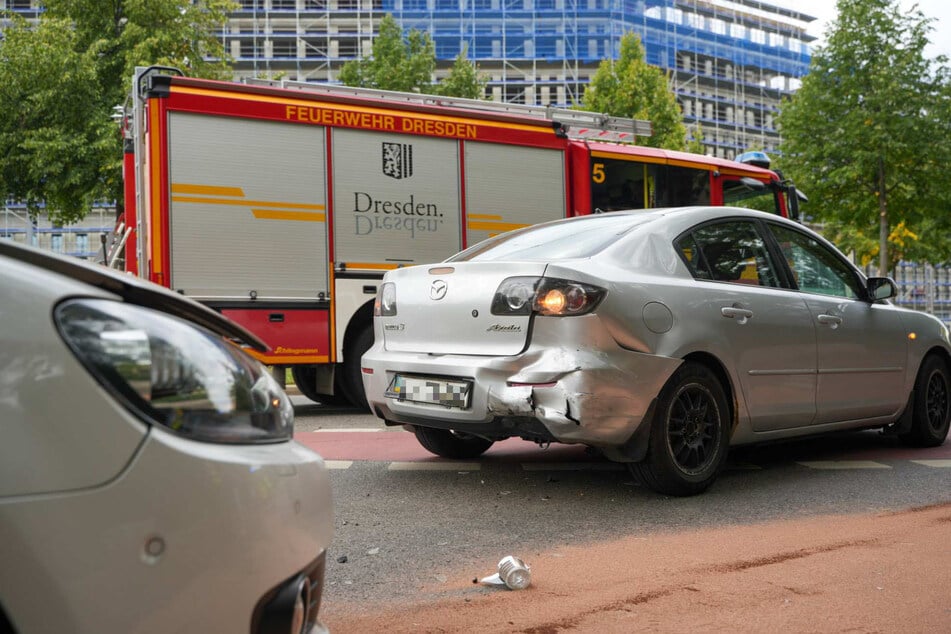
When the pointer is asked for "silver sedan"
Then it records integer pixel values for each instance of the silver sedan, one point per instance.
(148, 477)
(659, 337)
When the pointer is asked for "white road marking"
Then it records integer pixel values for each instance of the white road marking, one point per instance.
(348, 429)
(434, 466)
(844, 464)
(614, 466)
(941, 464)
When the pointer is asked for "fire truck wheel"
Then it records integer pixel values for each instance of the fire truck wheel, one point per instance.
(305, 378)
(352, 379)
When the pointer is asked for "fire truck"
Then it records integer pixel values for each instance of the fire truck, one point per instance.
(282, 204)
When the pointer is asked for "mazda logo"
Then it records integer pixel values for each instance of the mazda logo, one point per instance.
(438, 290)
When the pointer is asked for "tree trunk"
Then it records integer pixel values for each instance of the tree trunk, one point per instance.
(882, 221)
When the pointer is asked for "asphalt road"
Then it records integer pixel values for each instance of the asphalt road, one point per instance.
(408, 523)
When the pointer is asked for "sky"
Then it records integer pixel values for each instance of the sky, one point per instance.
(824, 10)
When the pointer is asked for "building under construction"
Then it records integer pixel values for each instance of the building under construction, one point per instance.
(729, 61)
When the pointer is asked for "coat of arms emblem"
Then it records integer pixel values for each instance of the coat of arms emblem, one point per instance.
(398, 160)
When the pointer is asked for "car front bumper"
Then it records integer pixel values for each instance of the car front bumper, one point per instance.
(573, 384)
(190, 537)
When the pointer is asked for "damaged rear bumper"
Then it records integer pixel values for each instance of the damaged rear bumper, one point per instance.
(592, 392)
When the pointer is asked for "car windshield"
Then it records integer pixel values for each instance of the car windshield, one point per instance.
(559, 240)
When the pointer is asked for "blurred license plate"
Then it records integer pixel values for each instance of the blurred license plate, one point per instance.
(427, 389)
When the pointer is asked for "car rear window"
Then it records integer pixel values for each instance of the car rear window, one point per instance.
(576, 238)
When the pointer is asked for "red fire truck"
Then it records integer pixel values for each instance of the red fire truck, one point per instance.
(281, 204)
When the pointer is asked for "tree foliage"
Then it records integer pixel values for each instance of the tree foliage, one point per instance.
(463, 80)
(61, 78)
(630, 87)
(868, 135)
(396, 63)
(408, 63)
(695, 143)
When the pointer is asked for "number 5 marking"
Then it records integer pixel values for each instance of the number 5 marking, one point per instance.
(597, 173)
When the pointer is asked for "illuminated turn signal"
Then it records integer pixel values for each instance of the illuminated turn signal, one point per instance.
(552, 302)
(912, 336)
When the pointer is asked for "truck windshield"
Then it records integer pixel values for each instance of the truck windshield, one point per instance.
(737, 194)
(628, 184)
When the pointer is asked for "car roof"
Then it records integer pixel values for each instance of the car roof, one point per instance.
(131, 289)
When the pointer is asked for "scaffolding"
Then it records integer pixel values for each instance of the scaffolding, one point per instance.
(730, 61)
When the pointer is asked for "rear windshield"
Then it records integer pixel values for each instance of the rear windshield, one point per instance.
(580, 238)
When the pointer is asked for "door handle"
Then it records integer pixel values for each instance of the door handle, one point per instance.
(740, 314)
(829, 320)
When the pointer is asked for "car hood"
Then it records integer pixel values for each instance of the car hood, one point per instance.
(133, 290)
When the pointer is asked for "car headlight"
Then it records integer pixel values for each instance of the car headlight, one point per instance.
(173, 373)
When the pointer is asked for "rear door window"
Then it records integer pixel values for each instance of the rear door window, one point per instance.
(733, 251)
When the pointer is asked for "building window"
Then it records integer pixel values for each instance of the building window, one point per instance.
(285, 48)
(349, 47)
(249, 48)
(82, 242)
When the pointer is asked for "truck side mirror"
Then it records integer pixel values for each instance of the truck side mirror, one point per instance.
(792, 196)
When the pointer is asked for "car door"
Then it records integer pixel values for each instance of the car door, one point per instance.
(766, 330)
(861, 345)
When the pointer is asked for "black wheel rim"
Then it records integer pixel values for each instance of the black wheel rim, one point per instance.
(693, 428)
(936, 401)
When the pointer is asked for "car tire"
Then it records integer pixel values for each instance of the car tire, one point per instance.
(352, 378)
(931, 413)
(450, 444)
(689, 436)
(305, 378)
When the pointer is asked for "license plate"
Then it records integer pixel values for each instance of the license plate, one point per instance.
(431, 390)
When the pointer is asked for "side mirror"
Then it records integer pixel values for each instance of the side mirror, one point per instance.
(793, 196)
(753, 184)
(881, 288)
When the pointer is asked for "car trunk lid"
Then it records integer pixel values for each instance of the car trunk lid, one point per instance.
(446, 309)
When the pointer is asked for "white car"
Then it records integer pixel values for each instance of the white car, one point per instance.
(149, 481)
(660, 337)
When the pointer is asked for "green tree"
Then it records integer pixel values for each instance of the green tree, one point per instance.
(55, 137)
(867, 135)
(61, 78)
(695, 144)
(397, 63)
(630, 87)
(463, 80)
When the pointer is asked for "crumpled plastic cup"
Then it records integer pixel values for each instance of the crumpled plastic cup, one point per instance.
(513, 573)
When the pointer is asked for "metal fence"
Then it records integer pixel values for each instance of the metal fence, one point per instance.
(923, 287)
